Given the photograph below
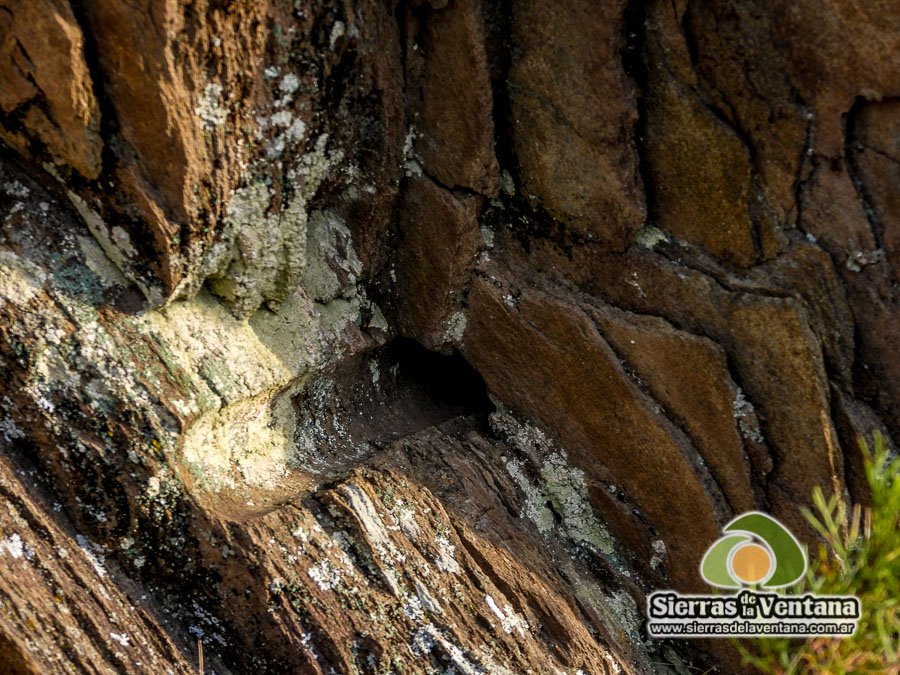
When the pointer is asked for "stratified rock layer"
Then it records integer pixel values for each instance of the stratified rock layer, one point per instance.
(431, 336)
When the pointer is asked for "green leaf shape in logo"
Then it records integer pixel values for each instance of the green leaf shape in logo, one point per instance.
(790, 559)
(714, 566)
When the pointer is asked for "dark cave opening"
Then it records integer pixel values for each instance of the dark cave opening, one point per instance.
(376, 399)
(446, 380)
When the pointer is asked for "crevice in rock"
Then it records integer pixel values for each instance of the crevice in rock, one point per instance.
(498, 45)
(375, 399)
(851, 164)
(634, 17)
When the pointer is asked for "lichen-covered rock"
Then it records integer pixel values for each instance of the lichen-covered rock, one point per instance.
(546, 359)
(350, 336)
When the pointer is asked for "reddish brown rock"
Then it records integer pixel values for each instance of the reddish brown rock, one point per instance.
(452, 102)
(577, 388)
(572, 116)
(699, 167)
(780, 365)
(437, 242)
(777, 358)
(260, 463)
(876, 150)
(689, 376)
(45, 81)
(65, 608)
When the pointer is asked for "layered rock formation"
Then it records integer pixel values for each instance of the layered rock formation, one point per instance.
(353, 336)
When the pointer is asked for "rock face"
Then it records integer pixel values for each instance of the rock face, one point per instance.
(426, 337)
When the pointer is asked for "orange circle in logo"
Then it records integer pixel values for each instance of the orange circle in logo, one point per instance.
(751, 563)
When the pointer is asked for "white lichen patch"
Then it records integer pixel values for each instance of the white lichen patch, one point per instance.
(509, 620)
(445, 558)
(326, 575)
(13, 546)
(507, 184)
(15, 189)
(9, 431)
(289, 84)
(406, 519)
(121, 638)
(209, 107)
(455, 328)
(427, 638)
(20, 279)
(558, 484)
(426, 600)
(376, 534)
(99, 263)
(92, 552)
(649, 236)
(618, 612)
(745, 415)
(332, 266)
(115, 244)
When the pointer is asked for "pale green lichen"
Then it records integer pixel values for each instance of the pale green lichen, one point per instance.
(507, 184)
(100, 264)
(116, 245)
(455, 328)
(209, 107)
(20, 279)
(649, 236)
(243, 376)
(559, 484)
(260, 254)
(332, 266)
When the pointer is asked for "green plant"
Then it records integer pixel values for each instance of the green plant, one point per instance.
(860, 556)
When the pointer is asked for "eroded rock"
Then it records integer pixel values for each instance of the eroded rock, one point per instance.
(339, 338)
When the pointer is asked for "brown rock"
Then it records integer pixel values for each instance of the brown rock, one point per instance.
(269, 468)
(452, 102)
(436, 247)
(780, 365)
(45, 80)
(777, 359)
(699, 167)
(572, 116)
(834, 210)
(66, 609)
(876, 150)
(577, 388)
(688, 375)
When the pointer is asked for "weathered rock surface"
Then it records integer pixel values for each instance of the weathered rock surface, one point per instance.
(426, 336)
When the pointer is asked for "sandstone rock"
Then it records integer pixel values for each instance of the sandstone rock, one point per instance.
(452, 102)
(689, 376)
(67, 608)
(516, 334)
(699, 168)
(45, 82)
(876, 149)
(572, 111)
(437, 242)
(777, 359)
(357, 353)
